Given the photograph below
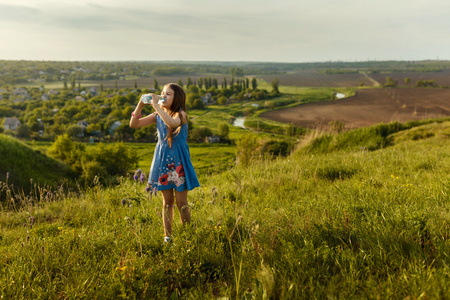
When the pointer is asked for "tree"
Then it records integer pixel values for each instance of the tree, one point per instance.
(224, 82)
(199, 104)
(237, 72)
(222, 100)
(200, 133)
(74, 130)
(155, 84)
(180, 83)
(223, 130)
(189, 82)
(254, 83)
(390, 82)
(275, 85)
(200, 83)
(407, 80)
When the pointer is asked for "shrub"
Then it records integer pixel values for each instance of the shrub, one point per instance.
(199, 134)
(275, 148)
(116, 159)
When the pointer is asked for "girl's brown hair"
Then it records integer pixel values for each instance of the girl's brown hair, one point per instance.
(178, 105)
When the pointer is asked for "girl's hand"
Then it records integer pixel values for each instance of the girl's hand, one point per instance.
(154, 100)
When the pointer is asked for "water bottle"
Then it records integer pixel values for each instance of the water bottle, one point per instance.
(146, 98)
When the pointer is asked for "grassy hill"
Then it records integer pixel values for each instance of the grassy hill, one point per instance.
(23, 164)
(333, 220)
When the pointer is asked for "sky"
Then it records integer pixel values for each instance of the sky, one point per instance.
(232, 30)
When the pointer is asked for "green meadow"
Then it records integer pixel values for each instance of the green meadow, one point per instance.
(363, 214)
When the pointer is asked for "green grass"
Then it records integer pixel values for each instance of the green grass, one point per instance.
(206, 158)
(344, 223)
(28, 167)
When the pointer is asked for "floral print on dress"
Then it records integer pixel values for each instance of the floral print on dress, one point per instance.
(173, 175)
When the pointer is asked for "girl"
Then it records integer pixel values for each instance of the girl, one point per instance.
(171, 172)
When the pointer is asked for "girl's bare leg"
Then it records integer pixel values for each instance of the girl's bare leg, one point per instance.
(183, 206)
(168, 200)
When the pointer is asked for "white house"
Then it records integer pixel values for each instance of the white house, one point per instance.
(54, 92)
(83, 124)
(212, 139)
(93, 91)
(11, 123)
(114, 127)
(206, 98)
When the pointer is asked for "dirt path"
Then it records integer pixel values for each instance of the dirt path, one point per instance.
(369, 107)
(374, 82)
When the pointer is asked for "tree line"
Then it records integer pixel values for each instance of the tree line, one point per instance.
(82, 112)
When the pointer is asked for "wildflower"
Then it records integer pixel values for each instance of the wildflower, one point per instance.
(142, 178)
(32, 220)
(7, 175)
(148, 188)
(155, 190)
(124, 201)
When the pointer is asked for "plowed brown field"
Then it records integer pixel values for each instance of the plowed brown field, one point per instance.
(369, 107)
(441, 78)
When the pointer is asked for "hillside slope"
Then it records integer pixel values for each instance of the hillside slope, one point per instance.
(331, 221)
(22, 164)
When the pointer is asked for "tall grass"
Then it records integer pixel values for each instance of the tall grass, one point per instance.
(346, 224)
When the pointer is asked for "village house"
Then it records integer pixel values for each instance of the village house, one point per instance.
(11, 123)
(93, 91)
(83, 125)
(114, 126)
(54, 92)
(20, 95)
(45, 97)
(207, 98)
(212, 139)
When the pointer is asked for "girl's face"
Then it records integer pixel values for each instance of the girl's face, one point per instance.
(167, 94)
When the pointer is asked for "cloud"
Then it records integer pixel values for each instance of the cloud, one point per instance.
(284, 30)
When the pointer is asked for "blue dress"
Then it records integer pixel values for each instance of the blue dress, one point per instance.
(172, 167)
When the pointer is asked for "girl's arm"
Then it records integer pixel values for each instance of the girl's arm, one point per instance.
(172, 122)
(137, 122)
